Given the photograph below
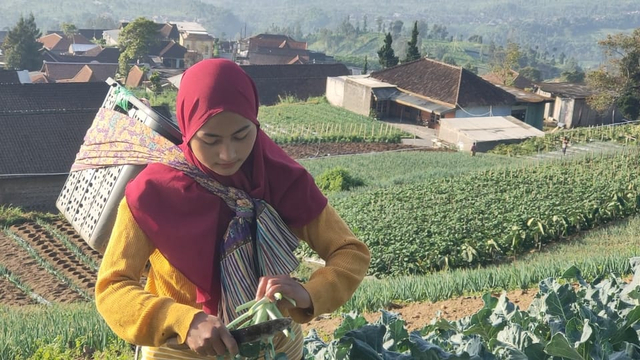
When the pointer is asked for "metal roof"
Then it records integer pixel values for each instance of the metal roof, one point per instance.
(393, 94)
(491, 128)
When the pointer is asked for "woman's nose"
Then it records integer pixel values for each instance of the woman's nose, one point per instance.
(227, 152)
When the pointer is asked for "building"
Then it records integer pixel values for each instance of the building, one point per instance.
(77, 72)
(529, 107)
(275, 82)
(43, 128)
(422, 92)
(570, 107)
(486, 132)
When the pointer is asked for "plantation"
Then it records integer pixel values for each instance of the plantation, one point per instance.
(623, 134)
(487, 216)
(438, 224)
(318, 121)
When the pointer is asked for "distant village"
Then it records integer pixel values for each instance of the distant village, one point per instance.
(44, 114)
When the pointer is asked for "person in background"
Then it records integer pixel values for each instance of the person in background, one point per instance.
(200, 242)
(474, 148)
(565, 143)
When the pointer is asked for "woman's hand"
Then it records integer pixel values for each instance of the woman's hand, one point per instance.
(207, 335)
(284, 284)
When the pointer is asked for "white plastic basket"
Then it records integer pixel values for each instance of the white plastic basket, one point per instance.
(89, 198)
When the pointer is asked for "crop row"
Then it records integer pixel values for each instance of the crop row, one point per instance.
(491, 215)
(622, 134)
(321, 122)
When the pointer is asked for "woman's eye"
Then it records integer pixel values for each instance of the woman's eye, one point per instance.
(242, 137)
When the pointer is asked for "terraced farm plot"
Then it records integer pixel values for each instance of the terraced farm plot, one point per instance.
(43, 267)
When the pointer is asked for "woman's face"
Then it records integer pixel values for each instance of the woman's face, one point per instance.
(224, 142)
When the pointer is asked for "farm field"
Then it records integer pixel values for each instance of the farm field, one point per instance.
(68, 279)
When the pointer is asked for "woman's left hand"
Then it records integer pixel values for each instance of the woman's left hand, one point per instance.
(287, 286)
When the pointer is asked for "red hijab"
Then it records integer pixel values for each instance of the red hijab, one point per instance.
(186, 222)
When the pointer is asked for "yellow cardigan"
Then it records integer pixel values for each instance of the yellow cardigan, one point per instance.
(166, 305)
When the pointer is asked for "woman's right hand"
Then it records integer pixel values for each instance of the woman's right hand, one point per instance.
(208, 336)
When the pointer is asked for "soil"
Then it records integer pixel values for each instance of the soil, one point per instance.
(77, 269)
(418, 315)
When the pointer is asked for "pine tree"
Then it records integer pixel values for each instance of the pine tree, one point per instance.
(21, 47)
(412, 50)
(366, 65)
(386, 56)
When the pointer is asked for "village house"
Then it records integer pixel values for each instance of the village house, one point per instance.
(276, 82)
(75, 72)
(43, 127)
(61, 44)
(272, 49)
(570, 107)
(422, 92)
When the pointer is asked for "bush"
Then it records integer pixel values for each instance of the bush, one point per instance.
(337, 179)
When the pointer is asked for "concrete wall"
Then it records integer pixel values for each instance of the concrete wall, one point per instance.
(483, 111)
(357, 98)
(335, 91)
(38, 193)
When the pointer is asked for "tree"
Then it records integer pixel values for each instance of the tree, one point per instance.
(21, 47)
(396, 27)
(448, 59)
(618, 80)
(69, 29)
(531, 73)
(134, 42)
(386, 56)
(412, 50)
(379, 23)
(366, 66)
(365, 28)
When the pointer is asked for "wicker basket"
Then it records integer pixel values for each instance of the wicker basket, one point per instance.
(89, 198)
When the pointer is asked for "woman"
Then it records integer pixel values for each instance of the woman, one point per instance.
(198, 239)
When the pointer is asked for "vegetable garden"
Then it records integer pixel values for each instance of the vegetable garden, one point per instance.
(438, 225)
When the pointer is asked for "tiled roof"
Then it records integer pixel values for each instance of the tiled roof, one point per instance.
(275, 41)
(44, 97)
(43, 125)
(61, 43)
(135, 77)
(173, 50)
(102, 55)
(519, 81)
(41, 143)
(66, 71)
(301, 81)
(267, 56)
(442, 82)
(568, 90)
(9, 77)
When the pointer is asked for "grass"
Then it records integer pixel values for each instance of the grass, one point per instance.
(67, 331)
(399, 168)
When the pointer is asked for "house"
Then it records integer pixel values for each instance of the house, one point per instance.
(421, 91)
(486, 132)
(168, 53)
(300, 81)
(111, 37)
(279, 81)
(201, 43)
(529, 106)
(14, 77)
(61, 44)
(571, 108)
(271, 49)
(78, 72)
(136, 77)
(91, 34)
(43, 127)
(165, 31)
(109, 55)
